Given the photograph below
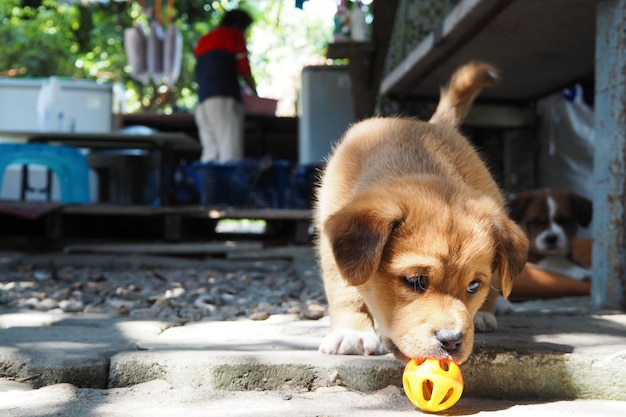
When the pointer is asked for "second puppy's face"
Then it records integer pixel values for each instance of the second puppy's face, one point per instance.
(423, 261)
(550, 219)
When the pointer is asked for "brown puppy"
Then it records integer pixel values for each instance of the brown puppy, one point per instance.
(413, 233)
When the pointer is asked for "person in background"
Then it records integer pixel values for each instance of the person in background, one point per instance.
(221, 60)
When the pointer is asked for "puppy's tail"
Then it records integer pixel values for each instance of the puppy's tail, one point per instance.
(464, 86)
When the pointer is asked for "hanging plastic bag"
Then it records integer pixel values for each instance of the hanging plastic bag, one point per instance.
(566, 134)
(172, 54)
(155, 52)
(135, 44)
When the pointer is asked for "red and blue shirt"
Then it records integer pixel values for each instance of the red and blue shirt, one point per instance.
(221, 56)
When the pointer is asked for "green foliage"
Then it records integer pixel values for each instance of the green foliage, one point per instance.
(86, 40)
(37, 41)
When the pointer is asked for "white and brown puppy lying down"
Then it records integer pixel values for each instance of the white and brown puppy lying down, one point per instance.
(413, 234)
(550, 219)
(558, 260)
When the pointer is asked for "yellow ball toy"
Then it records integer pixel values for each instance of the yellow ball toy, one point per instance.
(433, 385)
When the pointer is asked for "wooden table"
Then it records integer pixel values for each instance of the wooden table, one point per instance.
(264, 135)
(168, 148)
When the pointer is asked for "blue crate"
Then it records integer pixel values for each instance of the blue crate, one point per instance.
(225, 183)
(302, 188)
(271, 186)
(186, 184)
(244, 184)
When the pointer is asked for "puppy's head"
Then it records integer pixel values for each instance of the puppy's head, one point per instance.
(423, 255)
(550, 219)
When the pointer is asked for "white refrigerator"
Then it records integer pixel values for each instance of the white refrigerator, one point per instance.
(325, 110)
(84, 106)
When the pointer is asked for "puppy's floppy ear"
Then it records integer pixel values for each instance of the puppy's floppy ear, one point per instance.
(358, 234)
(582, 209)
(511, 253)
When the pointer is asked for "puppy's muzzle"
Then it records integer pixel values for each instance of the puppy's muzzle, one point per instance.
(451, 340)
(551, 240)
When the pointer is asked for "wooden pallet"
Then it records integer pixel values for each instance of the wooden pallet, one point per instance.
(169, 223)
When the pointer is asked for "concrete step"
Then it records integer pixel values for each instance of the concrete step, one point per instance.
(534, 355)
(160, 399)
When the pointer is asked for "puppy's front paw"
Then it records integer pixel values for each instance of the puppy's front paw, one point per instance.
(504, 306)
(485, 321)
(352, 342)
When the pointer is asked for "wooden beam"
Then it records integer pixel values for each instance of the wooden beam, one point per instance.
(384, 17)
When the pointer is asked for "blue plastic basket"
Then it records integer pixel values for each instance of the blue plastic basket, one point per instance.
(245, 184)
(271, 186)
(304, 180)
(227, 183)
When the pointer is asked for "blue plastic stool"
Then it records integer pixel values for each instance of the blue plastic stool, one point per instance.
(66, 162)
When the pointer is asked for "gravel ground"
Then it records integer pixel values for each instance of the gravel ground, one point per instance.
(174, 294)
(181, 291)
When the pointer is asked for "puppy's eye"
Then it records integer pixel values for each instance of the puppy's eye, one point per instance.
(473, 287)
(419, 283)
(564, 220)
(539, 224)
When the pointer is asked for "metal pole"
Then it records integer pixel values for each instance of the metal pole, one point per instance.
(609, 248)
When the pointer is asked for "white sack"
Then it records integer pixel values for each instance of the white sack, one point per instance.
(135, 44)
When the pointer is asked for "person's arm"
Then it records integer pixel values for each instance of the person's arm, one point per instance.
(250, 83)
(243, 63)
(245, 72)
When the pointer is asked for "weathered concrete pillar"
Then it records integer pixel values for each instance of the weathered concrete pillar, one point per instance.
(609, 248)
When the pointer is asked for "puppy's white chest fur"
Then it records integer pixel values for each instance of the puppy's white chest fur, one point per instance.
(564, 266)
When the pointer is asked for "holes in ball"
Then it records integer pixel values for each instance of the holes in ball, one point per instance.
(427, 389)
(447, 396)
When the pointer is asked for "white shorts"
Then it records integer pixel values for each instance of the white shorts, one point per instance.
(220, 123)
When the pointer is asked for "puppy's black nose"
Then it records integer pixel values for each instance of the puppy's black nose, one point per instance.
(551, 239)
(450, 339)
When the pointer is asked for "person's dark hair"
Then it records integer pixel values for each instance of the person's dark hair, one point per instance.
(236, 18)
